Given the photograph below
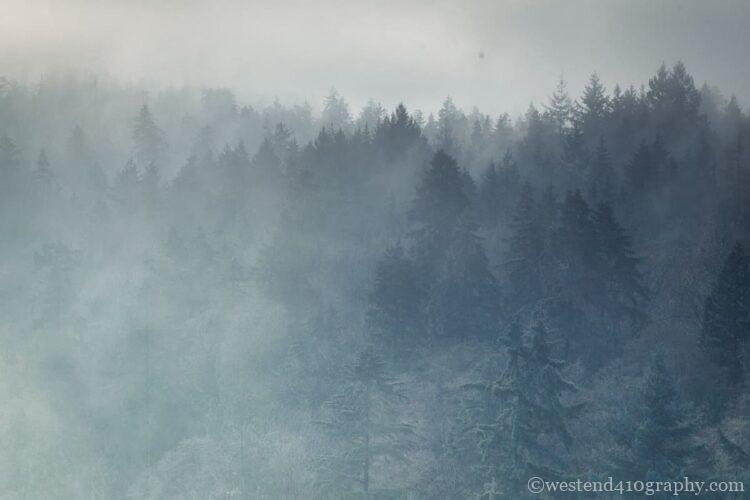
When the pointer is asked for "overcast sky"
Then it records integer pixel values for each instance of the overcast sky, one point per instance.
(410, 50)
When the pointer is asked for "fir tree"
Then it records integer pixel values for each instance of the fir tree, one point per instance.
(725, 333)
(464, 299)
(657, 433)
(621, 291)
(43, 172)
(601, 173)
(560, 107)
(336, 115)
(149, 139)
(594, 107)
(364, 427)
(396, 301)
(525, 250)
(515, 442)
(440, 202)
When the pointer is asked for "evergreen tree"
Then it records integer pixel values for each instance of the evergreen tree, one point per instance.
(642, 171)
(336, 115)
(621, 292)
(490, 196)
(77, 145)
(43, 172)
(525, 249)
(396, 301)
(560, 107)
(449, 127)
(149, 139)
(529, 416)
(594, 107)
(397, 134)
(364, 427)
(657, 432)
(725, 333)
(371, 115)
(464, 299)
(440, 202)
(601, 173)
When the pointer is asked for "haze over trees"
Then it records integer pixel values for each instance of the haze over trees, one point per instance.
(204, 298)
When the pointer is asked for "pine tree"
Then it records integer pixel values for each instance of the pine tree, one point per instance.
(602, 175)
(448, 127)
(560, 107)
(594, 107)
(656, 433)
(10, 157)
(371, 115)
(440, 202)
(397, 134)
(725, 333)
(43, 172)
(396, 301)
(490, 196)
(364, 427)
(621, 292)
(77, 145)
(642, 171)
(464, 299)
(529, 414)
(336, 115)
(525, 250)
(149, 139)
(150, 185)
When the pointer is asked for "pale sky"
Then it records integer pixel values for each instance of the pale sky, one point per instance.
(411, 50)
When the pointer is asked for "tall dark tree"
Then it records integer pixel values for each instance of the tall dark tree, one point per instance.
(464, 299)
(594, 107)
(526, 247)
(621, 292)
(396, 302)
(516, 440)
(440, 202)
(657, 431)
(725, 333)
(601, 173)
(364, 428)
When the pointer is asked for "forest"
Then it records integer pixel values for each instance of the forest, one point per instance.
(204, 298)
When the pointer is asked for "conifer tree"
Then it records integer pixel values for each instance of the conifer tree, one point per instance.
(364, 427)
(594, 107)
(490, 196)
(43, 172)
(620, 284)
(560, 107)
(464, 299)
(149, 139)
(525, 250)
(529, 414)
(439, 204)
(601, 174)
(725, 333)
(396, 301)
(336, 115)
(657, 433)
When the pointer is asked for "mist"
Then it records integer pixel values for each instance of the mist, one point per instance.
(417, 52)
(393, 251)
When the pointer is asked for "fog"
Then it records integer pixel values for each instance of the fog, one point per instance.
(373, 251)
(416, 51)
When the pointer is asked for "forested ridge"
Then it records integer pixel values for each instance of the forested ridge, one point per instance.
(210, 299)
